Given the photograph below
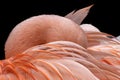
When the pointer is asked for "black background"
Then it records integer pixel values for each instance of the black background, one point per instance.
(103, 15)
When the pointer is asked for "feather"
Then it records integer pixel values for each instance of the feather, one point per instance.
(42, 29)
(55, 48)
(79, 15)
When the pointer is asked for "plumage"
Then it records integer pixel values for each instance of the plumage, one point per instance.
(52, 47)
(79, 15)
(40, 30)
(50, 61)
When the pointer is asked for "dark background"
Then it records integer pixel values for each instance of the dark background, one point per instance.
(103, 15)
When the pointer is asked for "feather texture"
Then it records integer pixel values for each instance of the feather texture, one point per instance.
(51, 47)
(79, 15)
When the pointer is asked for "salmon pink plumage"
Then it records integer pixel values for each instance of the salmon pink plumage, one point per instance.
(52, 47)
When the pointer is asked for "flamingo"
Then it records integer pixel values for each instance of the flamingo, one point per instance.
(52, 47)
